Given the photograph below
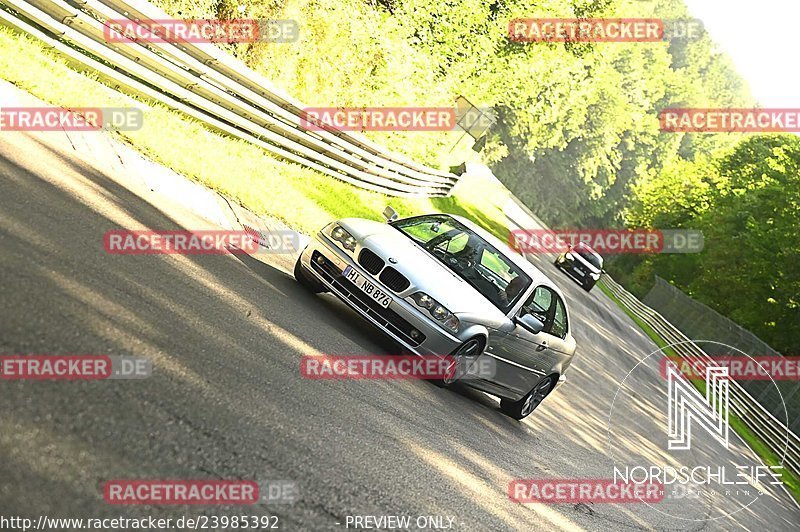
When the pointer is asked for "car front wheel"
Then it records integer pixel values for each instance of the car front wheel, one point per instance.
(461, 360)
(522, 408)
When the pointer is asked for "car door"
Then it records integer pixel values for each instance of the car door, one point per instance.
(532, 355)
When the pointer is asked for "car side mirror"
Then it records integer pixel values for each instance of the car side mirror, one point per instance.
(530, 322)
(390, 214)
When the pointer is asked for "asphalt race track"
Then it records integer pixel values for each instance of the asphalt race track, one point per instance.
(225, 335)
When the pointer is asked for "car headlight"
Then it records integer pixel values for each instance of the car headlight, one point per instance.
(436, 310)
(341, 235)
(424, 300)
(439, 312)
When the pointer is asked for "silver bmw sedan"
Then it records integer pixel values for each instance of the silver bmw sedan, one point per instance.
(440, 285)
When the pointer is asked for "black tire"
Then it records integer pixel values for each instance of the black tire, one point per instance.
(306, 281)
(463, 356)
(588, 285)
(523, 408)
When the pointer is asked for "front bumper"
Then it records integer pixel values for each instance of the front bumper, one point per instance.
(326, 261)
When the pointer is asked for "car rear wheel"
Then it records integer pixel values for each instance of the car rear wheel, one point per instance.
(522, 408)
(305, 279)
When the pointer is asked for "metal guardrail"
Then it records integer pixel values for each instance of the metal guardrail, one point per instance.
(211, 86)
(771, 431)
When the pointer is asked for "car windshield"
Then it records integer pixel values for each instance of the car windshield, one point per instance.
(469, 256)
(590, 256)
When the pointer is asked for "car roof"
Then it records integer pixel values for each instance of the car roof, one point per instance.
(536, 275)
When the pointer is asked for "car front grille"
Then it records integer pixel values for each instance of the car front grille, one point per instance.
(389, 319)
(370, 261)
(394, 279)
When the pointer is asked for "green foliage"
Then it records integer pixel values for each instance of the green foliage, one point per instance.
(578, 122)
(750, 269)
(747, 203)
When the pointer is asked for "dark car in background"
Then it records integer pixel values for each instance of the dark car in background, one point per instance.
(582, 263)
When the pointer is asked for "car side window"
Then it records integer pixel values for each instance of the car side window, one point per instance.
(538, 304)
(548, 307)
(559, 327)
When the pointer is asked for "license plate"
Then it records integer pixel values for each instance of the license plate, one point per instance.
(364, 284)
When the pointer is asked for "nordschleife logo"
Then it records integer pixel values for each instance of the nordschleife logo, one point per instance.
(687, 407)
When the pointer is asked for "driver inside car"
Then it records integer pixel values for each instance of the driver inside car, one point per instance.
(512, 290)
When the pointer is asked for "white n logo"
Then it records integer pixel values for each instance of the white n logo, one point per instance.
(686, 406)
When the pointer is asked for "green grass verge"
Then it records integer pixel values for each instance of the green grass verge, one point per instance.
(302, 198)
(790, 480)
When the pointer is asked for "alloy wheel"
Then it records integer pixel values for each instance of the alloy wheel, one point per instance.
(461, 360)
(537, 395)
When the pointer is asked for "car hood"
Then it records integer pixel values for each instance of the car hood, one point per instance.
(425, 272)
